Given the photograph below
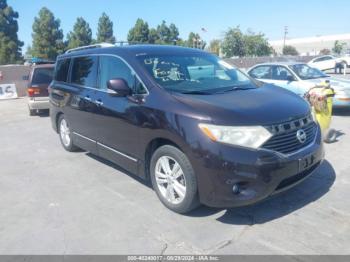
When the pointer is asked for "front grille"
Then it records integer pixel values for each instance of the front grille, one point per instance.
(285, 138)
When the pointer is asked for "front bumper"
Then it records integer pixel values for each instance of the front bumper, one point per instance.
(38, 103)
(258, 173)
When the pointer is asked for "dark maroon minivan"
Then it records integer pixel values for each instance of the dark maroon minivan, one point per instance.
(198, 128)
(40, 78)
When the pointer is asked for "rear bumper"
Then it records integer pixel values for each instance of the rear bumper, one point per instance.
(339, 102)
(36, 103)
(259, 174)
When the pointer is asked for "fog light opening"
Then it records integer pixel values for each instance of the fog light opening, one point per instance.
(235, 189)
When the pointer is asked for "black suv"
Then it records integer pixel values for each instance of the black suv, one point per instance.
(201, 130)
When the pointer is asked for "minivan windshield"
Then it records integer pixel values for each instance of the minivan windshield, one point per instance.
(306, 72)
(196, 74)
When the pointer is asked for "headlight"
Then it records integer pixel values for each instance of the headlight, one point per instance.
(247, 136)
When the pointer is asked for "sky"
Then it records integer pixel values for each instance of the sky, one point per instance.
(303, 17)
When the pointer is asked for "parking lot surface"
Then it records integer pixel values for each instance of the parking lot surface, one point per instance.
(55, 202)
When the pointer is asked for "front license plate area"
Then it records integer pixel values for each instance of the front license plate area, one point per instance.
(306, 162)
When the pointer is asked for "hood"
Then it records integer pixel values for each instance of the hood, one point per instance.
(265, 105)
(336, 83)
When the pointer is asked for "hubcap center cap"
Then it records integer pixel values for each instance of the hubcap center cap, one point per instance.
(170, 180)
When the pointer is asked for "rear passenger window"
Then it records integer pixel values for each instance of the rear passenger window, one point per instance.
(62, 68)
(84, 71)
(261, 72)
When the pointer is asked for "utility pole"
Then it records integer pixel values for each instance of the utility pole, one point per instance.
(285, 36)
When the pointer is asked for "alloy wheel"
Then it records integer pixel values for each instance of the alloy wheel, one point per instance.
(170, 179)
(65, 133)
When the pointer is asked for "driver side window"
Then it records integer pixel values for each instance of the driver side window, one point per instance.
(113, 67)
(281, 73)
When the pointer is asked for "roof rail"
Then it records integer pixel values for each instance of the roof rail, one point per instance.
(100, 45)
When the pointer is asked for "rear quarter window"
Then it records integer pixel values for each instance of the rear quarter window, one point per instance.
(62, 68)
(42, 76)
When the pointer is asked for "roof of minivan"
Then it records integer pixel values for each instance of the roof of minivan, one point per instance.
(281, 63)
(134, 50)
(43, 66)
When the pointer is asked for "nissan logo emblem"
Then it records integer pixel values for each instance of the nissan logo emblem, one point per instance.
(301, 136)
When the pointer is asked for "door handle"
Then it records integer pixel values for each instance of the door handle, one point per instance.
(99, 102)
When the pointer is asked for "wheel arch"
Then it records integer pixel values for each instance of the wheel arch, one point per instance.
(151, 147)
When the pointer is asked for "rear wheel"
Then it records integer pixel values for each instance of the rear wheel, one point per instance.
(32, 112)
(65, 134)
(173, 179)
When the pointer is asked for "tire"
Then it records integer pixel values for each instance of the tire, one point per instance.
(65, 135)
(330, 136)
(176, 190)
(32, 112)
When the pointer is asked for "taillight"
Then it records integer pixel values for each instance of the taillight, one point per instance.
(33, 91)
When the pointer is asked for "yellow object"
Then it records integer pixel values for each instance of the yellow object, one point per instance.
(321, 99)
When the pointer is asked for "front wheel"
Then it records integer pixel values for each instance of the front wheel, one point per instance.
(173, 179)
(330, 136)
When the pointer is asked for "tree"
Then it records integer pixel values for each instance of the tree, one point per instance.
(139, 33)
(233, 43)
(153, 36)
(81, 34)
(194, 40)
(174, 33)
(168, 35)
(164, 33)
(29, 52)
(290, 50)
(236, 43)
(105, 30)
(47, 35)
(338, 47)
(181, 42)
(214, 46)
(256, 44)
(325, 51)
(10, 46)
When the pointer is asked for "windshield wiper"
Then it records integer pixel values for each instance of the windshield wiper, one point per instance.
(315, 77)
(196, 92)
(236, 88)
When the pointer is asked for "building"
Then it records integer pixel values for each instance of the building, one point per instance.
(312, 45)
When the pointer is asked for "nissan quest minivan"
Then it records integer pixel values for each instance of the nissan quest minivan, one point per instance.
(198, 128)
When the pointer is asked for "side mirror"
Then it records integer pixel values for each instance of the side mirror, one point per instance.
(118, 87)
(25, 78)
